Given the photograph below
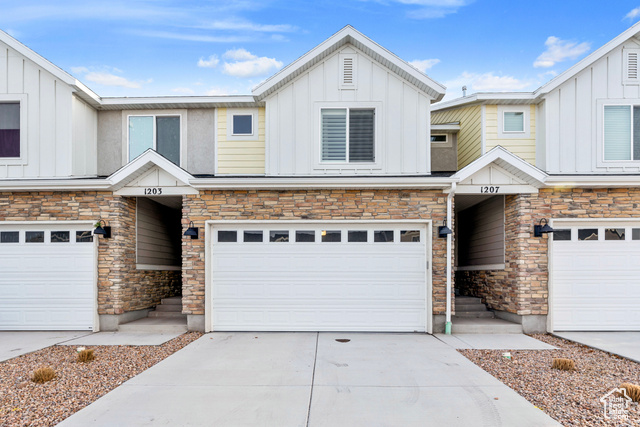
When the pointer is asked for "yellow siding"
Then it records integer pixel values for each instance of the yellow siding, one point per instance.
(470, 135)
(523, 148)
(240, 157)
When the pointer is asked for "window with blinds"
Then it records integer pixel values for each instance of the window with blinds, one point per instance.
(348, 135)
(513, 121)
(621, 132)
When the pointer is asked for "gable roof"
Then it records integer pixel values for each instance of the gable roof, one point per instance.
(143, 163)
(349, 35)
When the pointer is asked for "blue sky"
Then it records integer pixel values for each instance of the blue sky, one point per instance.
(166, 47)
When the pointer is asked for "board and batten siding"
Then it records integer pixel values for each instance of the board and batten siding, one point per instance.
(470, 134)
(572, 134)
(51, 146)
(85, 138)
(158, 231)
(525, 148)
(237, 156)
(480, 231)
(402, 119)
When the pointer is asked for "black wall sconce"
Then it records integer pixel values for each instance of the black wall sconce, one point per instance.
(443, 230)
(102, 231)
(191, 231)
(539, 229)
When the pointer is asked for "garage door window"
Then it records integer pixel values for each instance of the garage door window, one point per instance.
(614, 234)
(9, 237)
(559, 235)
(383, 236)
(359, 236)
(84, 236)
(588, 234)
(227, 236)
(34, 237)
(635, 234)
(331, 235)
(59, 237)
(278, 236)
(305, 236)
(253, 236)
(410, 236)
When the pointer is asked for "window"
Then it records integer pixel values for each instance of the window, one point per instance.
(359, 236)
(253, 236)
(439, 138)
(587, 234)
(227, 236)
(276, 236)
(614, 234)
(60, 237)
(84, 236)
(410, 236)
(9, 237)
(10, 129)
(331, 235)
(34, 237)
(513, 121)
(347, 135)
(561, 235)
(305, 236)
(160, 133)
(621, 132)
(243, 124)
(383, 236)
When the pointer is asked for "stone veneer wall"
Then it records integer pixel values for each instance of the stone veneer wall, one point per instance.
(312, 205)
(121, 288)
(521, 288)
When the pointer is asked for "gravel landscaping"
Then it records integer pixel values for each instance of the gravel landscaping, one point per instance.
(570, 397)
(25, 403)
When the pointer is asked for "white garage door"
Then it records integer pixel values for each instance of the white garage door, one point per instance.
(47, 277)
(319, 277)
(595, 277)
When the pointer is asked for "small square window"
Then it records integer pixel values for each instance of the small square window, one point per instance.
(383, 236)
(243, 124)
(560, 235)
(227, 236)
(276, 236)
(588, 234)
(253, 236)
(614, 234)
(84, 236)
(410, 236)
(9, 237)
(60, 237)
(513, 121)
(305, 236)
(359, 236)
(331, 236)
(34, 237)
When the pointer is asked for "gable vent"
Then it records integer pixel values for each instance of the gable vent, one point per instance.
(632, 66)
(631, 73)
(347, 71)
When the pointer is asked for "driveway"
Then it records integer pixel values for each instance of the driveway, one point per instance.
(14, 344)
(625, 344)
(311, 379)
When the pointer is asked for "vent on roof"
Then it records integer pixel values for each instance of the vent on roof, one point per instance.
(348, 71)
(631, 74)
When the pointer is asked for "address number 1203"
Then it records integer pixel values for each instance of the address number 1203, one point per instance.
(489, 189)
(152, 191)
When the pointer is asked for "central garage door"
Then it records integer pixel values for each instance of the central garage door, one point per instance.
(595, 276)
(319, 277)
(47, 277)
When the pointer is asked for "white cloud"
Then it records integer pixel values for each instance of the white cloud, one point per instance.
(248, 65)
(559, 50)
(219, 91)
(424, 64)
(79, 70)
(633, 14)
(191, 37)
(212, 62)
(485, 82)
(242, 25)
(183, 90)
(107, 76)
(429, 9)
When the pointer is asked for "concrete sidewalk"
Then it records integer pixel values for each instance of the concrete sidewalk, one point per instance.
(493, 342)
(312, 379)
(625, 344)
(14, 344)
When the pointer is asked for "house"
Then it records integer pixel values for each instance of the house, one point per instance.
(566, 155)
(321, 201)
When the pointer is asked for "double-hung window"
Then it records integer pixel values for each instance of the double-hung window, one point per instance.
(621, 132)
(347, 135)
(160, 133)
(9, 129)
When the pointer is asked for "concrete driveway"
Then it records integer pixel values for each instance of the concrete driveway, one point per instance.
(625, 344)
(311, 379)
(14, 344)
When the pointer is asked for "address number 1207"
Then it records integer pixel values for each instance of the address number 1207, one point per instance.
(489, 189)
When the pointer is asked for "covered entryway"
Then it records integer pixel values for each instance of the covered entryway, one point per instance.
(594, 275)
(312, 276)
(47, 276)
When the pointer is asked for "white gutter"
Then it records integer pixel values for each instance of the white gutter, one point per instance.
(315, 183)
(452, 191)
(56, 185)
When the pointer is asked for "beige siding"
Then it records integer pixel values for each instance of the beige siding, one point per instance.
(159, 234)
(524, 148)
(240, 157)
(481, 233)
(470, 135)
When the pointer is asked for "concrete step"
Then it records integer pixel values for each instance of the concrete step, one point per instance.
(470, 307)
(467, 300)
(463, 325)
(175, 314)
(169, 307)
(155, 325)
(475, 314)
(172, 300)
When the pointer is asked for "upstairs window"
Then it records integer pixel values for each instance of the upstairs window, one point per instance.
(621, 132)
(243, 124)
(160, 133)
(9, 129)
(348, 135)
(513, 121)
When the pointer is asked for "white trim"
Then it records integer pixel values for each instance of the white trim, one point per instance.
(144, 162)
(481, 267)
(526, 126)
(600, 106)
(318, 183)
(483, 98)
(483, 130)
(158, 267)
(446, 139)
(22, 100)
(254, 135)
(445, 127)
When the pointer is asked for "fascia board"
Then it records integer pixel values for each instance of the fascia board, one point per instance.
(499, 153)
(318, 183)
(146, 160)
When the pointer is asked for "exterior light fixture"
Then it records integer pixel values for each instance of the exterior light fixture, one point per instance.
(443, 230)
(191, 231)
(539, 229)
(102, 231)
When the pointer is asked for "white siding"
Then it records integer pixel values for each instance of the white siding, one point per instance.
(48, 105)
(402, 119)
(85, 139)
(572, 112)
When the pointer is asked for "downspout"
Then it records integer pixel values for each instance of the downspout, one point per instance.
(447, 327)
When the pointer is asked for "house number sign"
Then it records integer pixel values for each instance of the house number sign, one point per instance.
(153, 191)
(490, 189)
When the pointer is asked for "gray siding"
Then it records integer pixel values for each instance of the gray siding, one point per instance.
(444, 157)
(480, 233)
(109, 142)
(200, 140)
(159, 234)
